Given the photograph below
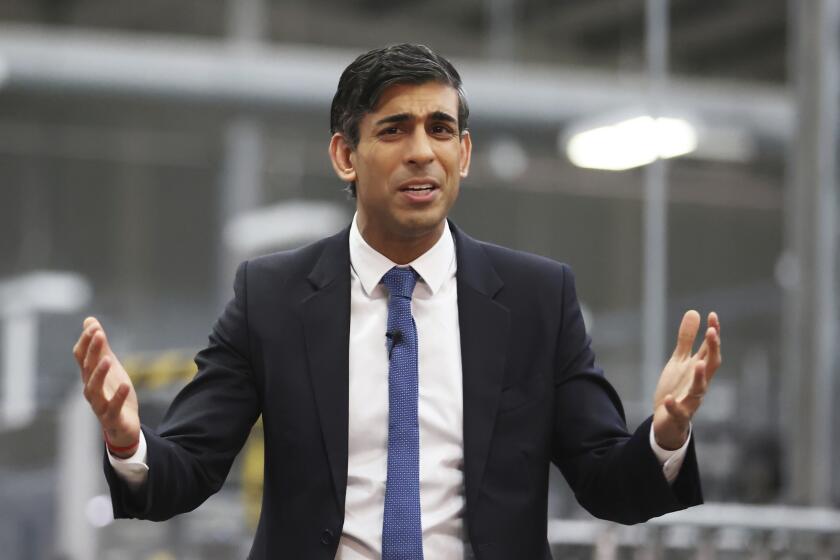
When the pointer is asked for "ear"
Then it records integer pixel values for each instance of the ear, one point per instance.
(466, 153)
(340, 152)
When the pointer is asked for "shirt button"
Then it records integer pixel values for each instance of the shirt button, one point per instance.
(326, 536)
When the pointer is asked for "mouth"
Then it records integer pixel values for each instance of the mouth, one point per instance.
(426, 187)
(419, 192)
(419, 186)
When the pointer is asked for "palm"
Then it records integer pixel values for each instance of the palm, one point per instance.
(676, 379)
(128, 419)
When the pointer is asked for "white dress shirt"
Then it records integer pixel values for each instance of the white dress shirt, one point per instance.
(434, 306)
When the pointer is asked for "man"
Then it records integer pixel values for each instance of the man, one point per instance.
(415, 384)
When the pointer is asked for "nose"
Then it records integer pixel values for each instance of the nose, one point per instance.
(419, 150)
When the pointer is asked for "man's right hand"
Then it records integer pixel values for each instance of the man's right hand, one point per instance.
(108, 389)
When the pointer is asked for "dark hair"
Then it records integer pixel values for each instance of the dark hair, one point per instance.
(366, 78)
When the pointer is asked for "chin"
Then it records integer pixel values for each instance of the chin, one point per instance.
(419, 225)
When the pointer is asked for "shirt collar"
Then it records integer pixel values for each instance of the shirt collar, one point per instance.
(434, 266)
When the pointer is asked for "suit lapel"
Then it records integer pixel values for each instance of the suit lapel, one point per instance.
(326, 317)
(484, 324)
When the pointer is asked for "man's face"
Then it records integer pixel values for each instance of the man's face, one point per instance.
(408, 163)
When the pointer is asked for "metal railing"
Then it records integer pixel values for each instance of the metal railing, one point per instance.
(711, 531)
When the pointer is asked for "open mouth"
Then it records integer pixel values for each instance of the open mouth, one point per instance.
(419, 188)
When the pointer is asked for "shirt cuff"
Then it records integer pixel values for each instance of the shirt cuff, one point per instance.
(133, 470)
(671, 461)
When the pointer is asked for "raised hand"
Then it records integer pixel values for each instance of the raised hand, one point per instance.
(684, 380)
(108, 389)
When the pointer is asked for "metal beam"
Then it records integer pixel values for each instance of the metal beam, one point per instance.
(809, 323)
(241, 186)
(581, 17)
(710, 516)
(655, 218)
(728, 27)
(36, 59)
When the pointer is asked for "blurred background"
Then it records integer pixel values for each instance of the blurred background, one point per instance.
(677, 154)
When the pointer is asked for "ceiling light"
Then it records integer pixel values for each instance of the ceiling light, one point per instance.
(631, 143)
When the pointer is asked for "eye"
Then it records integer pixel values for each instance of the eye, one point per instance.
(442, 130)
(389, 131)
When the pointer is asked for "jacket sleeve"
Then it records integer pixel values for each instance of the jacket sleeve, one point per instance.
(613, 473)
(189, 456)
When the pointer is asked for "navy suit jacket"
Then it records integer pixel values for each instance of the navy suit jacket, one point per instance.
(532, 396)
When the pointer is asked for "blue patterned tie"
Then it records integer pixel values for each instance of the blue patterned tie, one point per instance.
(402, 534)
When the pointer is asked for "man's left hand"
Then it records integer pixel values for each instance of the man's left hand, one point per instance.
(684, 380)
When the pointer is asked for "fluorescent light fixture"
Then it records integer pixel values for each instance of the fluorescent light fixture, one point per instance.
(725, 142)
(631, 143)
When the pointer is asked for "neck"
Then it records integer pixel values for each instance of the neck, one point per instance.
(399, 249)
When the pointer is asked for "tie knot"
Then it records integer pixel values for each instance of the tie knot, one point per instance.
(400, 281)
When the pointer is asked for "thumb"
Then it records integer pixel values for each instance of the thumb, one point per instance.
(671, 405)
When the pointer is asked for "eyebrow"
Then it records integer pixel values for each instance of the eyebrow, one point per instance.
(403, 117)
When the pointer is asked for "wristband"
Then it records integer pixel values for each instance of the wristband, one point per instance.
(115, 449)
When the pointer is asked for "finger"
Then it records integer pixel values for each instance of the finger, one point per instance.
(95, 387)
(714, 321)
(703, 351)
(697, 390)
(81, 346)
(89, 326)
(710, 342)
(88, 354)
(713, 360)
(114, 406)
(685, 407)
(99, 346)
(94, 350)
(687, 333)
(674, 409)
